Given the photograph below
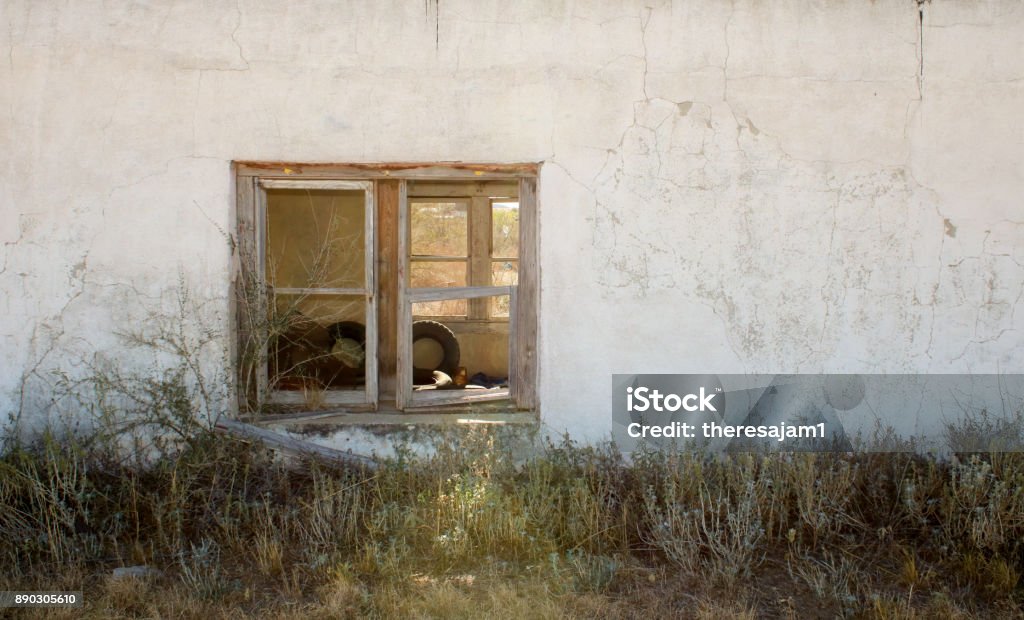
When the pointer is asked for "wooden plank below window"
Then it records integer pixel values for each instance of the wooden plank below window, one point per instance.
(283, 442)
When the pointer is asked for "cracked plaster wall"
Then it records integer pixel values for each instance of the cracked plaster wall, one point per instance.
(727, 187)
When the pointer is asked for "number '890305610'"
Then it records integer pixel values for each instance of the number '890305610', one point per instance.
(41, 599)
(58, 599)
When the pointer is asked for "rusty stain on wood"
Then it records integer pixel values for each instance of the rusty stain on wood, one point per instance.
(385, 168)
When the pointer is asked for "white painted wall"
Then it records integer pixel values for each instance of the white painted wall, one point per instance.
(727, 187)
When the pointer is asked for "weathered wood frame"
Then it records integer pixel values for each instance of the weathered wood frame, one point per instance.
(246, 299)
(478, 198)
(466, 260)
(406, 398)
(522, 313)
(441, 171)
(524, 307)
(491, 258)
(479, 254)
(368, 397)
(388, 265)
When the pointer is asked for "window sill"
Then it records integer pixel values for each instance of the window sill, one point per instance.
(393, 417)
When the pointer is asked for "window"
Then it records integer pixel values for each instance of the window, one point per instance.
(471, 240)
(439, 251)
(364, 287)
(504, 251)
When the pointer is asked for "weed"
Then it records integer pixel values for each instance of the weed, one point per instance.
(478, 527)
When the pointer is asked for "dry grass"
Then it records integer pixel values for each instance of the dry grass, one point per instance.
(473, 532)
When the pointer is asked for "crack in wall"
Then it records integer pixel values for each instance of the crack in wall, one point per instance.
(679, 165)
(728, 52)
(436, 14)
(920, 48)
(55, 328)
(644, 21)
(630, 261)
(238, 24)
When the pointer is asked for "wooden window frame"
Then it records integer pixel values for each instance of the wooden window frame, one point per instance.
(479, 199)
(467, 260)
(366, 398)
(388, 270)
(490, 258)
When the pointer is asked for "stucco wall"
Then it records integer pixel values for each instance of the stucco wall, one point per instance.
(726, 187)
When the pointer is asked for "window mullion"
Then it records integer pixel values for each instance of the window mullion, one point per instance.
(479, 252)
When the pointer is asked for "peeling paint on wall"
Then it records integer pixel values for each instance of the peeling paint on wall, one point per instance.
(726, 187)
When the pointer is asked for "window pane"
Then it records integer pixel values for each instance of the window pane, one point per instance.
(315, 238)
(438, 274)
(317, 342)
(505, 229)
(439, 228)
(478, 357)
(503, 273)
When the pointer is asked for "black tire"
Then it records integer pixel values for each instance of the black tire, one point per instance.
(351, 330)
(348, 329)
(440, 334)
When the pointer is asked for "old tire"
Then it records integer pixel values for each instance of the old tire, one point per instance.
(443, 336)
(349, 332)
